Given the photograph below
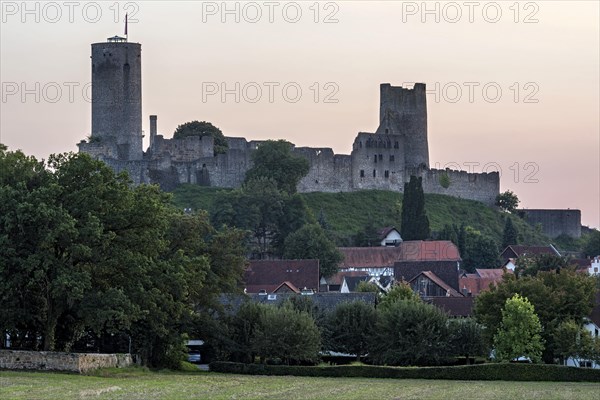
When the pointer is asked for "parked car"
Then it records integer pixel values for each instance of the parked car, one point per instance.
(194, 357)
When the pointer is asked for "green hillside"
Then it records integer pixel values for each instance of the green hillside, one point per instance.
(348, 213)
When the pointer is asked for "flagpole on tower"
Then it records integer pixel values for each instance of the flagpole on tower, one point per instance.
(126, 36)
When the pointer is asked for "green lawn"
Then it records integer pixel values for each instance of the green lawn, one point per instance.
(205, 385)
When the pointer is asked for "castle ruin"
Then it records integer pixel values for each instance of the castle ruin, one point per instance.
(383, 160)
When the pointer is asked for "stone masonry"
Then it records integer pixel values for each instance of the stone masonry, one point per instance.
(383, 160)
(55, 361)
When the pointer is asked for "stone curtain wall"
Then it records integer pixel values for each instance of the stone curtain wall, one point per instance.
(54, 361)
(556, 222)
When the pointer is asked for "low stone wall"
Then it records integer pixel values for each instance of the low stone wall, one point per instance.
(55, 361)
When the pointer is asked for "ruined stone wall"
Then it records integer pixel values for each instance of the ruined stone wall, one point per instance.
(99, 148)
(328, 172)
(187, 149)
(378, 162)
(483, 187)
(55, 361)
(556, 222)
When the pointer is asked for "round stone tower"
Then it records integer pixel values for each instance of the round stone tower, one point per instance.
(117, 96)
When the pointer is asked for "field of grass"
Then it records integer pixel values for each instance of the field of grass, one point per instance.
(348, 213)
(207, 385)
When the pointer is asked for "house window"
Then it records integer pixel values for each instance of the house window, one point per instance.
(362, 173)
(396, 145)
(375, 158)
(381, 157)
(392, 158)
(374, 173)
(386, 173)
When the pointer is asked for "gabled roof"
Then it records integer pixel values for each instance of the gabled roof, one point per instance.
(338, 278)
(385, 257)
(289, 285)
(481, 280)
(493, 273)
(429, 250)
(383, 232)
(436, 279)
(270, 274)
(353, 281)
(369, 257)
(445, 270)
(519, 251)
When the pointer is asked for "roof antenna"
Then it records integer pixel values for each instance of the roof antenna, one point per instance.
(126, 36)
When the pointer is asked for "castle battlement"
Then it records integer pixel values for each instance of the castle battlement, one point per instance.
(383, 160)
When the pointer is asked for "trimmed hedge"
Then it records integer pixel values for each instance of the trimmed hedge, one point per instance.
(483, 372)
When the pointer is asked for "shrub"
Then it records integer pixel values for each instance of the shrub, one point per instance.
(483, 372)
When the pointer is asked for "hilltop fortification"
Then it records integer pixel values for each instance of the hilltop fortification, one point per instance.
(381, 160)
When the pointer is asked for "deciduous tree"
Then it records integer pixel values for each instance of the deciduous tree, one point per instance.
(520, 331)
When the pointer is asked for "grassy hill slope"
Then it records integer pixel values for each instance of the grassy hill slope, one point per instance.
(348, 213)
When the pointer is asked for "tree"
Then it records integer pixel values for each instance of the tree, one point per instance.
(415, 224)
(532, 264)
(86, 257)
(311, 242)
(287, 335)
(557, 297)
(507, 201)
(591, 247)
(409, 333)
(368, 236)
(481, 251)
(465, 338)
(519, 332)
(201, 129)
(351, 327)
(400, 291)
(242, 330)
(510, 235)
(267, 213)
(366, 287)
(274, 159)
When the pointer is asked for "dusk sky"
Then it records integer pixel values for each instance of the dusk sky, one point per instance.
(513, 86)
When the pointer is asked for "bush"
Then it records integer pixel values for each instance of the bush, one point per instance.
(484, 372)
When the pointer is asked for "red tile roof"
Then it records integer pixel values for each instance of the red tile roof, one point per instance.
(270, 274)
(434, 250)
(384, 257)
(481, 280)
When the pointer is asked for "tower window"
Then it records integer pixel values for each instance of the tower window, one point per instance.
(374, 173)
(387, 130)
(360, 144)
(396, 146)
(381, 157)
(392, 158)
(375, 158)
(386, 173)
(362, 173)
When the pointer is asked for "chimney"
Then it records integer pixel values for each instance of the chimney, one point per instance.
(152, 130)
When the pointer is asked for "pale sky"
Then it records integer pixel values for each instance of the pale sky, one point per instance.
(527, 74)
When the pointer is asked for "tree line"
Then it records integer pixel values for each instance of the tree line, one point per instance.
(89, 262)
